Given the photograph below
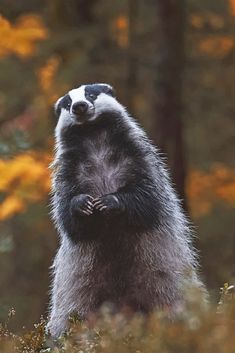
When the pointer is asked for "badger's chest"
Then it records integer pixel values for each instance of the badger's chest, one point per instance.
(104, 169)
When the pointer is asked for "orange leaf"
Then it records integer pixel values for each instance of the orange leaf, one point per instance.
(20, 39)
(10, 206)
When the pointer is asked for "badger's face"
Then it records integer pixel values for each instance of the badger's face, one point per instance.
(84, 104)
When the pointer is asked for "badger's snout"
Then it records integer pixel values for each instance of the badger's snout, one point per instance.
(80, 108)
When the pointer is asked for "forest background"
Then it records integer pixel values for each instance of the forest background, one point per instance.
(172, 63)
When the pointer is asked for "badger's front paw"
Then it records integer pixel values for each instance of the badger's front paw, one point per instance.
(82, 205)
(107, 204)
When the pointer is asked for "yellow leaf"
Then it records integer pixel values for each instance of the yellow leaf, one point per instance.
(10, 206)
(46, 75)
(21, 38)
(25, 179)
(197, 21)
(216, 46)
(232, 7)
(121, 31)
(204, 190)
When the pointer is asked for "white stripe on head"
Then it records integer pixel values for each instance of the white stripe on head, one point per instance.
(64, 121)
(57, 102)
(106, 103)
(78, 94)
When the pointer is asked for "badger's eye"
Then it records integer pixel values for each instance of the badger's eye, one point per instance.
(68, 105)
(92, 96)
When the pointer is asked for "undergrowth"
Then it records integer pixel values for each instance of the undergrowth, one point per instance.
(198, 330)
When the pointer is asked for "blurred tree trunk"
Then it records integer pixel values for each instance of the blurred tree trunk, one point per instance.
(70, 16)
(74, 13)
(132, 55)
(168, 125)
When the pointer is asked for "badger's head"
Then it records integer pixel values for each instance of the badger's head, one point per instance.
(85, 104)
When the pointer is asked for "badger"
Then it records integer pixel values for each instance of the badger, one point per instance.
(124, 238)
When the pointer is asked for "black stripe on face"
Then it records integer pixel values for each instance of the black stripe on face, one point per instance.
(92, 91)
(65, 103)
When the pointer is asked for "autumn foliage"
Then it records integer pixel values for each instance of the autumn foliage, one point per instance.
(206, 189)
(24, 179)
(21, 38)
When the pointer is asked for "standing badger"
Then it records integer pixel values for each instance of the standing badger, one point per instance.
(123, 235)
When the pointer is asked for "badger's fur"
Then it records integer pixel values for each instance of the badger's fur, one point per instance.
(123, 235)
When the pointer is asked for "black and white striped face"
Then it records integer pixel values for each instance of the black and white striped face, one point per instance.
(85, 104)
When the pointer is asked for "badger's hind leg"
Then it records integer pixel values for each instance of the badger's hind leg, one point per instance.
(63, 296)
(72, 290)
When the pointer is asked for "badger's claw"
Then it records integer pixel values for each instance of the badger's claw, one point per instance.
(99, 205)
(82, 205)
(106, 203)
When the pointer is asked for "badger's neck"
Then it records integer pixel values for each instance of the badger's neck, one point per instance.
(116, 125)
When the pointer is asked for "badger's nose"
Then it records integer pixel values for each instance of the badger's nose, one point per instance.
(80, 108)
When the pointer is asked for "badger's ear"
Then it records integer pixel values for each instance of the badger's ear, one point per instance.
(109, 90)
(57, 107)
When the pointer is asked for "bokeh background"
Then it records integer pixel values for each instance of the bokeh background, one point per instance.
(172, 64)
